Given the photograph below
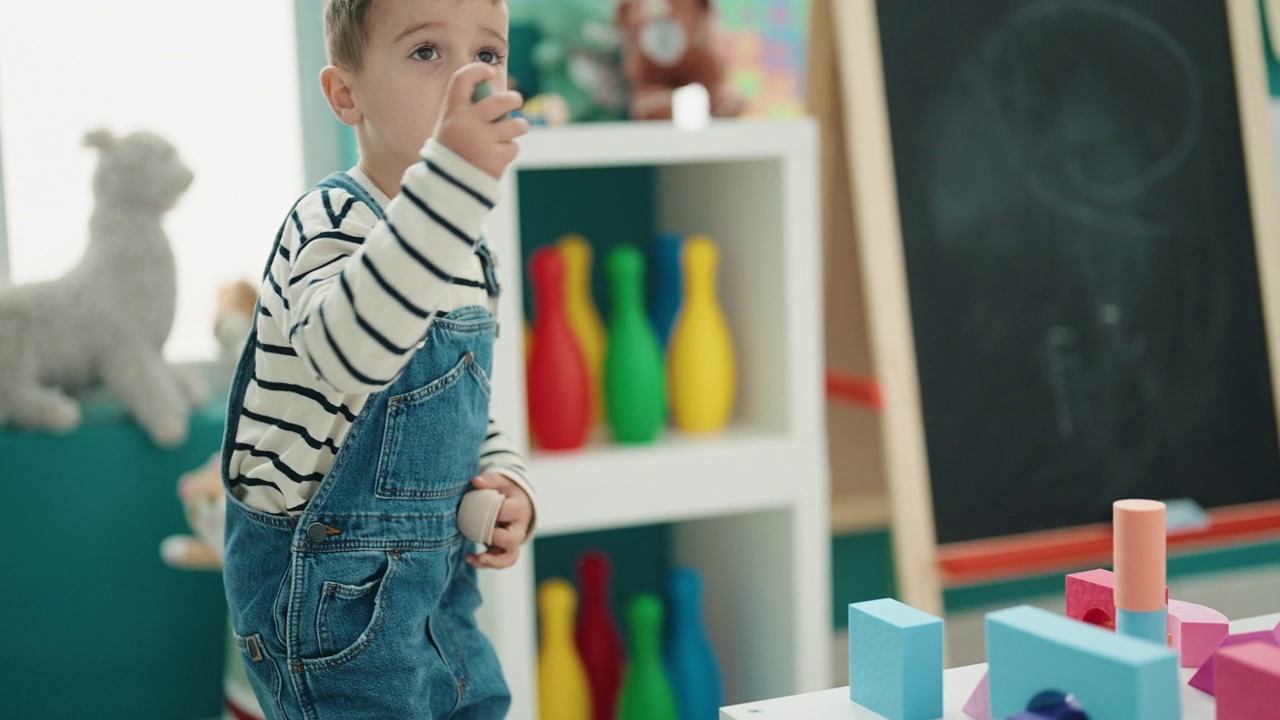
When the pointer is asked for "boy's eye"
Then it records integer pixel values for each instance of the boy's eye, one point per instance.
(490, 57)
(426, 52)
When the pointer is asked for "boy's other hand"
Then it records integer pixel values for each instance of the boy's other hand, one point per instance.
(514, 519)
(478, 132)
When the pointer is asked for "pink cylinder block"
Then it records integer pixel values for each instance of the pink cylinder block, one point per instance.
(1139, 555)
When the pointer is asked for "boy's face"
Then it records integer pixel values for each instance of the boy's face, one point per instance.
(413, 48)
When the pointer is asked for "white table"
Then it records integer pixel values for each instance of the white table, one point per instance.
(957, 685)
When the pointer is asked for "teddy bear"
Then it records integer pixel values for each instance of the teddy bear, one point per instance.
(233, 316)
(670, 44)
(105, 321)
(200, 491)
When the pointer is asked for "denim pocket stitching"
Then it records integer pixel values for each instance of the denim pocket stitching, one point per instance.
(331, 591)
(362, 643)
(478, 373)
(435, 387)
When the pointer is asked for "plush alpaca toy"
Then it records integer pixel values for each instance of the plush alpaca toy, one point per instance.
(670, 44)
(105, 321)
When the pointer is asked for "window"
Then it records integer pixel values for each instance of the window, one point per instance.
(218, 79)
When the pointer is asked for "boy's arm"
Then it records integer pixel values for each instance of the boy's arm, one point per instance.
(499, 454)
(360, 294)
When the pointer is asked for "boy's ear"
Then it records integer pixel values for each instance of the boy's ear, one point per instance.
(336, 84)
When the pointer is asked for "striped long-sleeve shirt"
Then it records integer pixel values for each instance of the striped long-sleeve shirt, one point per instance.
(345, 303)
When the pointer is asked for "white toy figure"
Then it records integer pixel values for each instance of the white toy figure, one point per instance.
(105, 321)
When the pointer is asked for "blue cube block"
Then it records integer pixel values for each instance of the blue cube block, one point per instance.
(895, 660)
(1032, 651)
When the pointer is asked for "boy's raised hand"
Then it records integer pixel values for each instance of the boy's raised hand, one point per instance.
(479, 132)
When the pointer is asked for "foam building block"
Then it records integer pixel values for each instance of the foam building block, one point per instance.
(1114, 677)
(978, 706)
(1091, 597)
(1247, 684)
(1204, 678)
(895, 660)
(1196, 631)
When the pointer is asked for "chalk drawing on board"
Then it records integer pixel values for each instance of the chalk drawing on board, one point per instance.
(1051, 77)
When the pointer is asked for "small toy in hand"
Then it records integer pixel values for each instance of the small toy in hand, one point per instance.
(478, 514)
(482, 91)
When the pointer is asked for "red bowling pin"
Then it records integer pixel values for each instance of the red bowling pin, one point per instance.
(597, 635)
(558, 384)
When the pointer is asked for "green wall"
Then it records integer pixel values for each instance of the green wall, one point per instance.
(95, 624)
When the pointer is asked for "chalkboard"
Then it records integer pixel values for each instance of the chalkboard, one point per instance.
(1080, 258)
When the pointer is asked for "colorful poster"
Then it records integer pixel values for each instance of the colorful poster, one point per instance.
(764, 44)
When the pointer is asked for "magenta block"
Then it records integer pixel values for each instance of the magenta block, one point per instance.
(1247, 686)
(1203, 679)
(1091, 597)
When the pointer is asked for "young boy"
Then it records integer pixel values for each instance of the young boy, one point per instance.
(359, 413)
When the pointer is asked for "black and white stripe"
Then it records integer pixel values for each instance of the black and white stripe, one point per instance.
(345, 304)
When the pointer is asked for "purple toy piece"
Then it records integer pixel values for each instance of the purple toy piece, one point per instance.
(1203, 679)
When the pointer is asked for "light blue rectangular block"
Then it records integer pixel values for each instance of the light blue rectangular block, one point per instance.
(1031, 650)
(895, 660)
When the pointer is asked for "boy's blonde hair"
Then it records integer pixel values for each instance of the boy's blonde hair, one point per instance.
(346, 30)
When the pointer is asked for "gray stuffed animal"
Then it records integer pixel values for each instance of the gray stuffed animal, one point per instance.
(105, 321)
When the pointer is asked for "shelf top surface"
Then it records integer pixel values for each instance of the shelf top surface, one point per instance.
(679, 477)
(615, 144)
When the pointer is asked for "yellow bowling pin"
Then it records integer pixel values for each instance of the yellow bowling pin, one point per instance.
(701, 368)
(563, 692)
(583, 316)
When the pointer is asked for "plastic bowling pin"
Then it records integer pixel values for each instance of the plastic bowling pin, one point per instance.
(646, 692)
(702, 369)
(691, 664)
(587, 327)
(562, 681)
(598, 638)
(559, 383)
(667, 291)
(634, 382)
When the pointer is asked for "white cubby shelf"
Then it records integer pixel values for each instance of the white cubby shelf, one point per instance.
(749, 506)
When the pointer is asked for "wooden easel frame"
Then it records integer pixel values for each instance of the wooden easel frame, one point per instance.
(847, 59)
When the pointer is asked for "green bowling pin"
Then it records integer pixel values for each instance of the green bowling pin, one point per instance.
(635, 389)
(646, 692)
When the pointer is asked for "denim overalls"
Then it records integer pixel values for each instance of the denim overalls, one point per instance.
(363, 606)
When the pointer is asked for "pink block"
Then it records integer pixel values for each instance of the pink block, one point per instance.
(1196, 631)
(978, 706)
(1248, 682)
(1204, 677)
(1091, 597)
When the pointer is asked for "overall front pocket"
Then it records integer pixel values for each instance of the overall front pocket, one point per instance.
(431, 445)
(346, 603)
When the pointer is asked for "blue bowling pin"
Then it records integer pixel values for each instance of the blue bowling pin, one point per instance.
(668, 284)
(691, 664)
